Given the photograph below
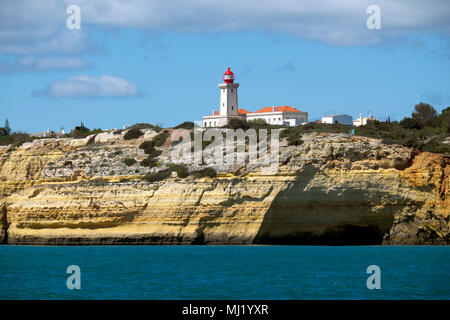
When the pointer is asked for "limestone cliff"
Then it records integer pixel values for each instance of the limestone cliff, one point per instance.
(332, 189)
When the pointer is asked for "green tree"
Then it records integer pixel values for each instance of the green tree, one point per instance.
(7, 127)
(424, 114)
(409, 123)
(3, 132)
(443, 120)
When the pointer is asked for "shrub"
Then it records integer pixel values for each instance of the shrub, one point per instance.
(185, 125)
(293, 136)
(409, 123)
(154, 154)
(161, 138)
(3, 132)
(67, 163)
(140, 126)
(133, 134)
(237, 124)
(149, 162)
(17, 138)
(129, 161)
(206, 172)
(180, 169)
(148, 147)
(294, 141)
(158, 176)
(146, 144)
(437, 148)
(80, 132)
(98, 182)
(443, 120)
(314, 127)
(96, 131)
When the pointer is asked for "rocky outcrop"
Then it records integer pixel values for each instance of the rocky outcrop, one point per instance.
(332, 189)
(428, 221)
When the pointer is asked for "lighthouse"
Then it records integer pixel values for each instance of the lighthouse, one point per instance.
(229, 110)
(228, 95)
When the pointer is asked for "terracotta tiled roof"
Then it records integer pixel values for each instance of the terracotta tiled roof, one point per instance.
(277, 109)
(240, 111)
(216, 113)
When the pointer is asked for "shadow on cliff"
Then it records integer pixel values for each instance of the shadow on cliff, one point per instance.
(4, 225)
(315, 216)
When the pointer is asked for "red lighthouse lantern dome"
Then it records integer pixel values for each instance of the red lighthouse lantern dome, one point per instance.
(228, 76)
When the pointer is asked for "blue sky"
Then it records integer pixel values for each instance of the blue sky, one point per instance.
(168, 72)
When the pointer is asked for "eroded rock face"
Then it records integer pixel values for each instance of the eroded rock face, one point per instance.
(333, 189)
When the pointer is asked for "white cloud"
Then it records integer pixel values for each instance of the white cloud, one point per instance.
(31, 64)
(38, 27)
(87, 86)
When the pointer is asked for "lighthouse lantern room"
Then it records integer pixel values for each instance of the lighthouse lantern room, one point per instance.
(228, 76)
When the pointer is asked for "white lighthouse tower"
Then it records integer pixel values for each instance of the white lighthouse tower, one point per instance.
(228, 95)
(228, 108)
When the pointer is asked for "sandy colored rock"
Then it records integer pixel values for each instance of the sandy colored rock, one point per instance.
(332, 189)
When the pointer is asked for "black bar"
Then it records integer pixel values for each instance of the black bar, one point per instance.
(223, 309)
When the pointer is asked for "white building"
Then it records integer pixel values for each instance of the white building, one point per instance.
(362, 121)
(279, 115)
(48, 134)
(344, 119)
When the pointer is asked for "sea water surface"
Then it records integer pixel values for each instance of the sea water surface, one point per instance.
(224, 272)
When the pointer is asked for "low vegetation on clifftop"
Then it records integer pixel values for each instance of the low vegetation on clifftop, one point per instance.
(424, 130)
(331, 187)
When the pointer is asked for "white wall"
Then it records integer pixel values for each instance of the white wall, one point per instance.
(340, 118)
(228, 99)
(277, 118)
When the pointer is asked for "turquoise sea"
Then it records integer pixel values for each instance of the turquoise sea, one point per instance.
(224, 272)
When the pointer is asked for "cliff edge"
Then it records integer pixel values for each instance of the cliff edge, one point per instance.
(332, 189)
